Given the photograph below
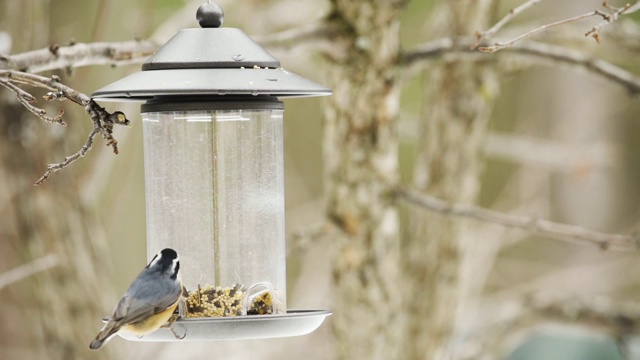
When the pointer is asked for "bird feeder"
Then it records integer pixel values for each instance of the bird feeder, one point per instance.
(213, 154)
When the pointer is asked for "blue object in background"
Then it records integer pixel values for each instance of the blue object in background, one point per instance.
(554, 347)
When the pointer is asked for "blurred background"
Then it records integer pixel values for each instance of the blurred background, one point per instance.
(557, 144)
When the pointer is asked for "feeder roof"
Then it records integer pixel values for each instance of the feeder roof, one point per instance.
(210, 61)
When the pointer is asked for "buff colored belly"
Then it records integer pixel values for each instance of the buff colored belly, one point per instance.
(151, 324)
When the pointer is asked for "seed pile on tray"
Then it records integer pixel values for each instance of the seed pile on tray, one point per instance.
(261, 304)
(215, 301)
(210, 301)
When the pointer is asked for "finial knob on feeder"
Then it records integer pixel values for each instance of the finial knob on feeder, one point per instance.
(210, 15)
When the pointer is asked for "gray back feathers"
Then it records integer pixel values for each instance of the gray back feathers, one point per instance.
(149, 293)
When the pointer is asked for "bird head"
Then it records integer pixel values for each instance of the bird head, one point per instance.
(166, 262)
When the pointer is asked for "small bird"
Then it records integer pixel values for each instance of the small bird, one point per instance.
(149, 302)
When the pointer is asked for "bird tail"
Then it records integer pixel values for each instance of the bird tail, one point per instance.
(107, 332)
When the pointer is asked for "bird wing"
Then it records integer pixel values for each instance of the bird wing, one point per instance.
(140, 302)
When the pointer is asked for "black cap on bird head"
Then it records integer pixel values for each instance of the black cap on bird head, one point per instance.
(169, 253)
(167, 259)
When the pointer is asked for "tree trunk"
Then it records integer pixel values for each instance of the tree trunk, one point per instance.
(448, 166)
(360, 150)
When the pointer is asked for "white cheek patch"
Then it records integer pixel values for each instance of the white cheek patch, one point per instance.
(155, 260)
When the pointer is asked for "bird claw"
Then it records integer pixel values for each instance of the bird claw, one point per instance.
(169, 325)
(179, 337)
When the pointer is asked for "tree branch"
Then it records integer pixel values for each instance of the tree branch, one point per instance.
(27, 100)
(541, 227)
(611, 18)
(553, 155)
(316, 32)
(487, 34)
(608, 18)
(103, 121)
(501, 45)
(594, 65)
(557, 54)
(28, 269)
(80, 54)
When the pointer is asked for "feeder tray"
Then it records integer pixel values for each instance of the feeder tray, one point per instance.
(294, 323)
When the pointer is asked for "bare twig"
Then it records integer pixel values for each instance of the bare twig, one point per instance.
(310, 33)
(80, 54)
(313, 38)
(556, 54)
(103, 121)
(553, 155)
(501, 45)
(596, 66)
(633, 8)
(487, 34)
(51, 168)
(608, 18)
(27, 100)
(545, 228)
(28, 269)
(611, 18)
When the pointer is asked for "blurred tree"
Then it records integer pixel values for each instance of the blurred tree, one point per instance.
(453, 127)
(360, 152)
(59, 306)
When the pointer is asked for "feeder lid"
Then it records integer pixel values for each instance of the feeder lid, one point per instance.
(210, 61)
